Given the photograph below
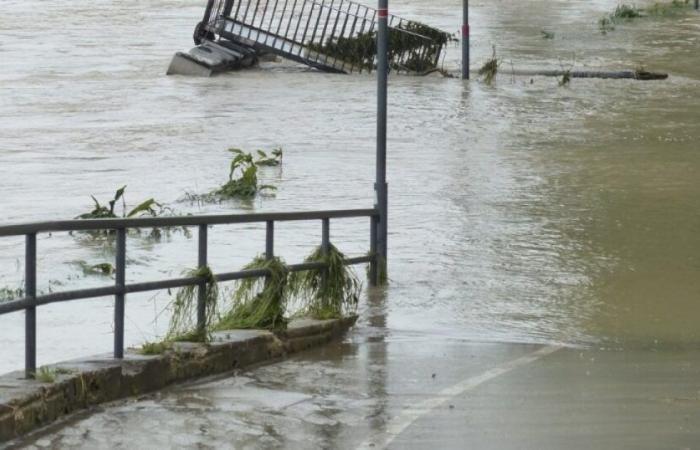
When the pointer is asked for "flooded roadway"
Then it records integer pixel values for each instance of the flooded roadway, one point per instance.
(520, 213)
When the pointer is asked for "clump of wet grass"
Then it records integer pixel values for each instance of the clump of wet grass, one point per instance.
(328, 293)
(155, 348)
(260, 302)
(183, 322)
(626, 13)
(490, 68)
(45, 375)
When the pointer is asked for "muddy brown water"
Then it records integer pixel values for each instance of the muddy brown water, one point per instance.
(520, 212)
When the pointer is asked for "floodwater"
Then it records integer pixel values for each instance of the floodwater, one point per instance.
(522, 212)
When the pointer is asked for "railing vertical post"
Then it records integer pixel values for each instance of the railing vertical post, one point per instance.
(325, 245)
(30, 312)
(373, 269)
(202, 248)
(465, 39)
(270, 240)
(119, 297)
(381, 187)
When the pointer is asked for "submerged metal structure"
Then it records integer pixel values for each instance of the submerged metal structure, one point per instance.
(330, 35)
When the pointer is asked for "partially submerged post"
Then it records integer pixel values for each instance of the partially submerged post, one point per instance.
(381, 187)
(465, 39)
(697, 4)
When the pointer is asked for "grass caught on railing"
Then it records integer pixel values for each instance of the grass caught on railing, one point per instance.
(328, 293)
(183, 322)
(155, 348)
(259, 302)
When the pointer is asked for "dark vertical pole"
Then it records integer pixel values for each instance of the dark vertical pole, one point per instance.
(325, 245)
(465, 40)
(119, 298)
(373, 272)
(697, 4)
(202, 289)
(270, 240)
(30, 312)
(381, 187)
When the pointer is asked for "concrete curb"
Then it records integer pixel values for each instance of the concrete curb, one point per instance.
(29, 404)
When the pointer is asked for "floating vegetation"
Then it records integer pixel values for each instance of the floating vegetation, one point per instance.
(626, 13)
(243, 176)
(147, 208)
(8, 294)
(102, 269)
(274, 159)
(259, 302)
(183, 323)
(565, 78)
(328, 293)
(547, 34)
(490, 68)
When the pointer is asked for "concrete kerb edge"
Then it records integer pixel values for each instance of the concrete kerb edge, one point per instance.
(28, 404)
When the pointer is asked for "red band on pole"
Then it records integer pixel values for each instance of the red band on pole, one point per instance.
(383, 13)
(465, 30)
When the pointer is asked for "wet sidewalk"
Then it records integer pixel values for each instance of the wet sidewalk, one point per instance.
(402, 389)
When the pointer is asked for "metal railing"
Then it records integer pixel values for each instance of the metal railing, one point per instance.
(31, 300)
(320, 33)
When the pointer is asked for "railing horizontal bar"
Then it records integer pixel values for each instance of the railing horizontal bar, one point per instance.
(22, 303)
(182, 221)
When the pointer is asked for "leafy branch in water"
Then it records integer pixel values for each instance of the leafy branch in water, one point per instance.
(183, 322)
(259, 302)
(328, 293)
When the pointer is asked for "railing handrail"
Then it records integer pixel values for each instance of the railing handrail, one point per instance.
(22, 229)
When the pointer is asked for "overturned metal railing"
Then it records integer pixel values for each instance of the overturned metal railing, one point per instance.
(31, 300)
(331, 35)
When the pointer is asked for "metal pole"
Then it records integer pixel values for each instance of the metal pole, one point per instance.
(465, 40)
(202, 289)
(381, 187)
(697, 4)
(373, 272)
(30, 312)
(119, 298)
(325, 246)
(270, 240)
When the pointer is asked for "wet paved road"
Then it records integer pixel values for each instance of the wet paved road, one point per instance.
(397, 389)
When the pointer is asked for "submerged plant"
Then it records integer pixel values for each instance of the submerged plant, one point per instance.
(259, 302)
(183, 322)
(147, 208)
(274, 159)
(243, 176)
(547, 34)
(328, 293)
(8, 294)
(490, 68)
(104, 269)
